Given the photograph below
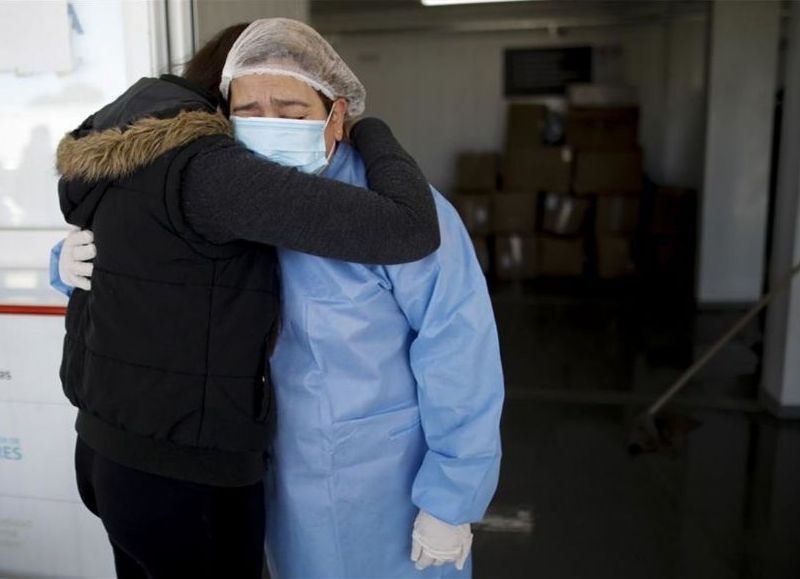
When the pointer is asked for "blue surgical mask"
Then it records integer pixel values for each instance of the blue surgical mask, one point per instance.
(290, 142)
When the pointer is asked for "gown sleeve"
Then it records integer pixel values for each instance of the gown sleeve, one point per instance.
(55, 279)
(455, 359)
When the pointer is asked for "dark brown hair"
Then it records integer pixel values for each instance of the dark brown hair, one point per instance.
(205, 67)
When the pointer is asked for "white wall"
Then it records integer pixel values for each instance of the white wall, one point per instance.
(48, 51)
(45, 530)
(781, 381)
(443, 92)
(111, 44)
(743, 71)
(683, 117)
(214, 15)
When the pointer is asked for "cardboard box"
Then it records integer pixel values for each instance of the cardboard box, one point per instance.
(475, 211)
(515, 258)
(560, 257)
(602, 128)
(525, 125)
(608, 172)
(477, 171)
(514, 213)
(564, 214)
(538, 169)
(614, 256)
(674, 211)
(617, 214)
(601, 95)
(481, 252)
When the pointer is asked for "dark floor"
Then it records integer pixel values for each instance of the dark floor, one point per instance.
(722, 502)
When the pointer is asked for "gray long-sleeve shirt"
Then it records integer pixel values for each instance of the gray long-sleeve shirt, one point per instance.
(231, 194)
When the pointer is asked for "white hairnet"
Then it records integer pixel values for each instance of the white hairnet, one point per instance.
(289, 47)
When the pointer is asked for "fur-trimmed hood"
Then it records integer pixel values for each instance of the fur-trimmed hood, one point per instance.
(117, 152)
(152, 117)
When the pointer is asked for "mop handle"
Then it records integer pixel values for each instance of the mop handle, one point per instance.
(719, 344)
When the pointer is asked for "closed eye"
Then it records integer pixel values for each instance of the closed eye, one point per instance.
(247, 107)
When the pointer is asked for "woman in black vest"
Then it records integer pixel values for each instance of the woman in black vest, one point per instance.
(166, 357)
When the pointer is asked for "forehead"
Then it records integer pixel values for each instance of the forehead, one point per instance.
(270, 85)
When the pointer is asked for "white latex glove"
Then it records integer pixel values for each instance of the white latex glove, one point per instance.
(434, 542)
(74, 267)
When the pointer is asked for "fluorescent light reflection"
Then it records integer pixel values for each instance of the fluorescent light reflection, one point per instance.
(456, 2)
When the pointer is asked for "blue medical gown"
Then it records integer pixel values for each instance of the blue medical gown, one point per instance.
(388, 391)
(55, 276)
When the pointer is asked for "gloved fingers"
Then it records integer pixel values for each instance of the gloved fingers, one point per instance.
(84, 252)
(462, 559)
(424, 562)
(82, 283)
(444, 554)
(83, 268)
(80, 237)
(416, 550)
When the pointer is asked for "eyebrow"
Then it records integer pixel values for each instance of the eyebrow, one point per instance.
(288, 102)
(246, 107)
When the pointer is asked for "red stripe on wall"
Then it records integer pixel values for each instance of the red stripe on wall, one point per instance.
(32, 310)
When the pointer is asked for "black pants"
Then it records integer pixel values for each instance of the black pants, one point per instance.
(166, 528)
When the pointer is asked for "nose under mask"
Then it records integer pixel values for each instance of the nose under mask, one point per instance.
(290, 142)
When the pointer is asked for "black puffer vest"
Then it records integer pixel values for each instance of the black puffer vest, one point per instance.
(166, 357)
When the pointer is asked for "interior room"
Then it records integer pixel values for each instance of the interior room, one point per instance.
(628, 174)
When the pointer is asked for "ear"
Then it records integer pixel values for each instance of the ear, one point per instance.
(337, 118)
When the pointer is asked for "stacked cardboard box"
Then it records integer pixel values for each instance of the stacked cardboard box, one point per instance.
(534, 207)
(525, 125)
(615, 258)
(539, 209)
(476, 183)
(476, 172)
(475, 211)
(560, 256)
(562, 232)
(601, 95)
(516, 257)
(481, 252)
(564, 214)
(536, 169)
(523, 257)
(487, 213)
(514, 213)
(609, 169)
(617, 215)
(608, 172)
(515, 206)
(616, 222)
(514, 217)
(608, 159)
(602, 128)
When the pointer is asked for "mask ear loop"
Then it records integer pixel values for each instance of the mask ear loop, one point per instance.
(329, 156)
(330, 114)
